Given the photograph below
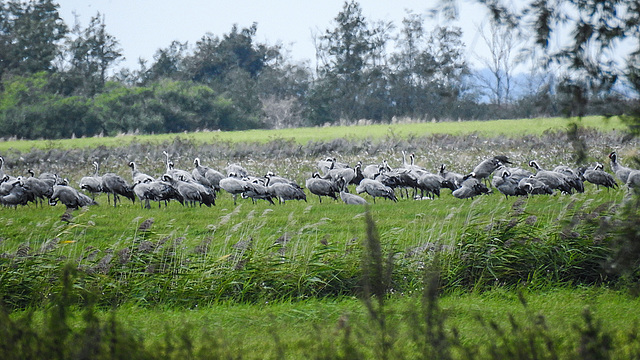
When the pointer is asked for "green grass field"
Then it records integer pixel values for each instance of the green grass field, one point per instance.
(265, 281)
(303, 135)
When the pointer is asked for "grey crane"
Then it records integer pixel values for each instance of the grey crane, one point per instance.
(359, 175)
(330, 163)
(40, 189)
(144, 193)
(258, 191)
(206, 194)
(347, 198)
(416, 169)
(70, 197)
(455, 179)
(156, 190)
(571, 176)
(402, 178)
(376, 189)
(92, 184)
(514, 172)
(206, 175)
(176, 173)
(373, 170)
(348, 174)
(325, 165)
(286, 192)
(622, 172)
(485, 168)
(629, 177)
(409, 175)
(405, 164)
(137, 176)
(507, 184)
(13, 194)
(191, 192)
(537, 188)
(352, 199)
(555, 180)
(322, 187)
(533, 186)
(51, 177)
(351, 175)
(233, 185)
(395, 178)
(114, 184)
(470, 188)
(236, 169)
(272, 178)
(633, 181)
(9, 179)
(4, 178)
(6, 184)
(179, 173)
(2, 174)
(432, 183)
(407, 179)
(598, 176)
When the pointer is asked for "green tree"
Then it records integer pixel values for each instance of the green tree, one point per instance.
(168, 64)
(29, 36)
(92, 53)
(214, 58)
(232, 66)
(122, 109)
(29, 109)
(348, 55)
(189, 106)
(428, 69)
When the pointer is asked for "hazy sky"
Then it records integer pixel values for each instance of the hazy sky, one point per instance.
(144, 26)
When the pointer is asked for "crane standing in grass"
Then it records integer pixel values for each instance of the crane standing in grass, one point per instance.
(92, 184)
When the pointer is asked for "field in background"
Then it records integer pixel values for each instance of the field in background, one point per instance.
(293, 269)
(303, 135)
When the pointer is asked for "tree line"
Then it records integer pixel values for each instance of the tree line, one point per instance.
(60, 81)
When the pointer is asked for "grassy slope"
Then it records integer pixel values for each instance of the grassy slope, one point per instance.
(304, 135)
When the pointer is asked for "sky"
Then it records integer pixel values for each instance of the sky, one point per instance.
(144, 26)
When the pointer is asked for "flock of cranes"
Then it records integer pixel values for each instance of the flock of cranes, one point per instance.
(203, 184)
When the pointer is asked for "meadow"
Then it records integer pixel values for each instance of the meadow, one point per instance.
(513, 276)
(516, 127)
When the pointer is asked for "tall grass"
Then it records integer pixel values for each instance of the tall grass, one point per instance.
(257, 253)
(421, 329)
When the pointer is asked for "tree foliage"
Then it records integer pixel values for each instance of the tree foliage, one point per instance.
(56, 82)
(29, 36)
(92, 53)
(599, 31)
